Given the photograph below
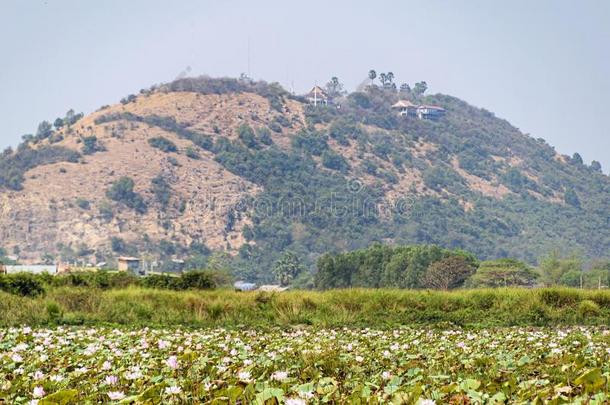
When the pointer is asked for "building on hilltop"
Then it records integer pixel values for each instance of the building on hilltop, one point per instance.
(430, 112)
(317, 96)
(405, 108)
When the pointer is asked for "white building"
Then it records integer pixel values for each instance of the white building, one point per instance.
(405, 108)
(33, 269)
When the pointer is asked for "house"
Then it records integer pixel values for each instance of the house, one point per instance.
(405, 108)
(129, 264)
(317, 96)
(244, 286)
(430, 112)
(32, 269)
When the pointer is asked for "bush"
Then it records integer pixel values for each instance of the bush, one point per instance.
(162, 190)
(332, 160)
(192, 280)
(90, 145)
(246, 135)
(23, 284)
(588, 308)
(83, 204)
(122, 191)
(311, 142)
(192, 153)
(162, 144)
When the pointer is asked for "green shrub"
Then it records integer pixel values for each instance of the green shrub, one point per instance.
(54, 311)
(23, 284)
(332, 160)
(91, 145)
(192, 153)
(83, 204)
(247, 136)
(588, 308)
(163, 144)
(122, 191)
(559, 298)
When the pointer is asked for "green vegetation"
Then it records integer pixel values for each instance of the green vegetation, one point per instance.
(13, 165)
(163, 144)
(161, 190)
(399, 267)
(91, 145)
(122, 191)
(503, 273)
(32, 285)
(336, 308)
(83, 204)
(295, 367)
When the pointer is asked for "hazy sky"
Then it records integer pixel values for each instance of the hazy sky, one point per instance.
(543, 65)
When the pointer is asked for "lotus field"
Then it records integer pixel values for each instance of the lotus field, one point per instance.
(299, 366)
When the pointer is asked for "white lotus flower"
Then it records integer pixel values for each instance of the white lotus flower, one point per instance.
(116, 395)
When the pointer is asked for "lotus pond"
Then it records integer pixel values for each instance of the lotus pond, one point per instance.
(299, 366)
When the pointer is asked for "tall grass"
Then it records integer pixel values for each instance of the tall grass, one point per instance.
(138, 306)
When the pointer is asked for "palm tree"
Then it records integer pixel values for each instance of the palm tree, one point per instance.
(372, 75)
(390, 77)
(383, 78)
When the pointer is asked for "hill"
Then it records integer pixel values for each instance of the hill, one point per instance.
(200, 166)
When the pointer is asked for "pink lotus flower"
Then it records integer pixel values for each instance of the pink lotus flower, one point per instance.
(38, 392)
(111, 380)
(172, 362)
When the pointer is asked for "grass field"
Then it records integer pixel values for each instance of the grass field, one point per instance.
(335, 308)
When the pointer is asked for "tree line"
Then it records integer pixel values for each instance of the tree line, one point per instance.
(432, 267)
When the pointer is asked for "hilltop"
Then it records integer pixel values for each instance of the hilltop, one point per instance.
(200, 166)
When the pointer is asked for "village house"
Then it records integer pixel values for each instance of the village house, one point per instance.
(317, 96)
(430, 112)
(405, 108)
(131, 264)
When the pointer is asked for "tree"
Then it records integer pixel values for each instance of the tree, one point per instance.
(420, 88)
(405, 89)
(383, 79)
(287, 268)
(503, 273)
(247, 136)
(577, 159)
(90, 145)
(372, 76)
(122, 190)
(553, 267)
(390, 80)
(117, 244)
(58, 123)
(161, 190)
(163, 144)
(571, 198)
(448, 273)
(44, 131)
(334, 88)
(596, 166)
(333, 161)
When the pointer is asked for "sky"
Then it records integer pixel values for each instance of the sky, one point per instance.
(543, 65)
